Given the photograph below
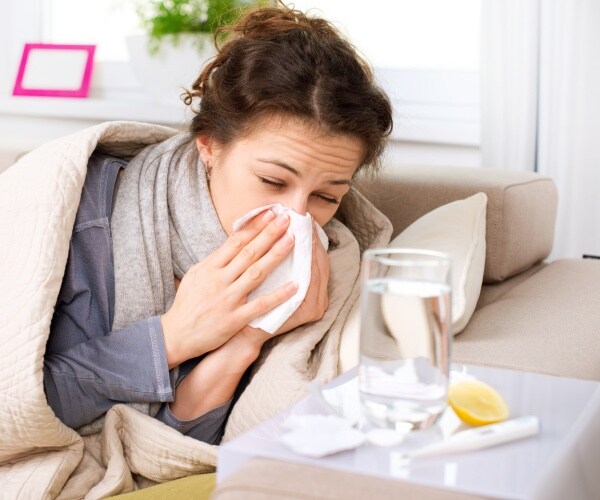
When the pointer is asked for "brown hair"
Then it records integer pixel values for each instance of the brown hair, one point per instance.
(278, 61)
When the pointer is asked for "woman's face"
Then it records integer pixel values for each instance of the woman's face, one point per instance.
(281, 161)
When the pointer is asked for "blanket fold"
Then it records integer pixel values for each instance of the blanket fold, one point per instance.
(42, 458)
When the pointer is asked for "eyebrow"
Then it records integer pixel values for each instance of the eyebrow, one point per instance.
(335, 182)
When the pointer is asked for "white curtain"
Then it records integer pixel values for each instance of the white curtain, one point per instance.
(565, 137)
(509, 77)
(569, 120)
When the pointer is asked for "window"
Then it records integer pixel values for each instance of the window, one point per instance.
(402, 34)
(425, 54)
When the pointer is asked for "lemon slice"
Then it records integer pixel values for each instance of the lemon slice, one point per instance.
(477, 403)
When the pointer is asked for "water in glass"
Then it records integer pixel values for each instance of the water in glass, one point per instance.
(403, 372)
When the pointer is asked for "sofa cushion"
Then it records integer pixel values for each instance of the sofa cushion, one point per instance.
(493, 291)
(548, 323)
(456, 229)
(521, 208)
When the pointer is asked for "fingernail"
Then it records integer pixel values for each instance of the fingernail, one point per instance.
(268, 215)
(282, 219)
(292, 286)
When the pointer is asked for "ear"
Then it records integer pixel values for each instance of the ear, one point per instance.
(207, 148)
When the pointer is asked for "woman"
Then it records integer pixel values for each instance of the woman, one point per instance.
(153, 306)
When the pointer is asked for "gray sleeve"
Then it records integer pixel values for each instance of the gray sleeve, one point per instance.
(127, 365)
(208, 427)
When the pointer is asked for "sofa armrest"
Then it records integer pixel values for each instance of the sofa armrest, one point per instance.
(521, 210)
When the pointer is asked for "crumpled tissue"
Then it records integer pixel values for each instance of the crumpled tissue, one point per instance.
(315, 436)
(320, 435)
(296, 266)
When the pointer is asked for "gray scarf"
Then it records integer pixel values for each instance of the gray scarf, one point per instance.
(163, 222)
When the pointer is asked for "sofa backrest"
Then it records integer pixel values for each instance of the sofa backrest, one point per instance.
(521, 211)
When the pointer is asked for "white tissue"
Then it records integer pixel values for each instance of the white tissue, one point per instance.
(296, 266)
(320, 435)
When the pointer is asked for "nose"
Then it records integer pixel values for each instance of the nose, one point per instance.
(298, 202)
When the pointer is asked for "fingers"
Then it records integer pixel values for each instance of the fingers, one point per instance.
(238, 240)
(258, 247)
(257, 272)
(265, 303)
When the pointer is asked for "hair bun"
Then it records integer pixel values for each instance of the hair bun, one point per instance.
(268, 22)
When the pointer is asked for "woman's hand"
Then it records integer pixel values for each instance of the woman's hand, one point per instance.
(218, 374)
(311, 309)
(211, 302)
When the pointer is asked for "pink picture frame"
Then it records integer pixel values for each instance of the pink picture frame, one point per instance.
(55, 70)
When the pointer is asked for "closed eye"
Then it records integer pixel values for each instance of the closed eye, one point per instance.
(281, 185)
(328, 199)
(270, 182)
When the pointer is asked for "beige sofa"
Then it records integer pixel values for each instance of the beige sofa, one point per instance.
(531, 315)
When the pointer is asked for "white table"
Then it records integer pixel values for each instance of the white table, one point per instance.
(563, 461)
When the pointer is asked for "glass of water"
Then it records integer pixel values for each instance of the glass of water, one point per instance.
(405, 337)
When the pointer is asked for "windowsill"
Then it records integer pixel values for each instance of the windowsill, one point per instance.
(94, 109)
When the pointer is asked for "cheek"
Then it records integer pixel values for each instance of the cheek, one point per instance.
(242, 200)
(231, 196)
(323, 214)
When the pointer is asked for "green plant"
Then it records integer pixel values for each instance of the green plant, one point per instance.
(161, 18)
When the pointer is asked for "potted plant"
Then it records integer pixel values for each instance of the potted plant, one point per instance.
(178, 40)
